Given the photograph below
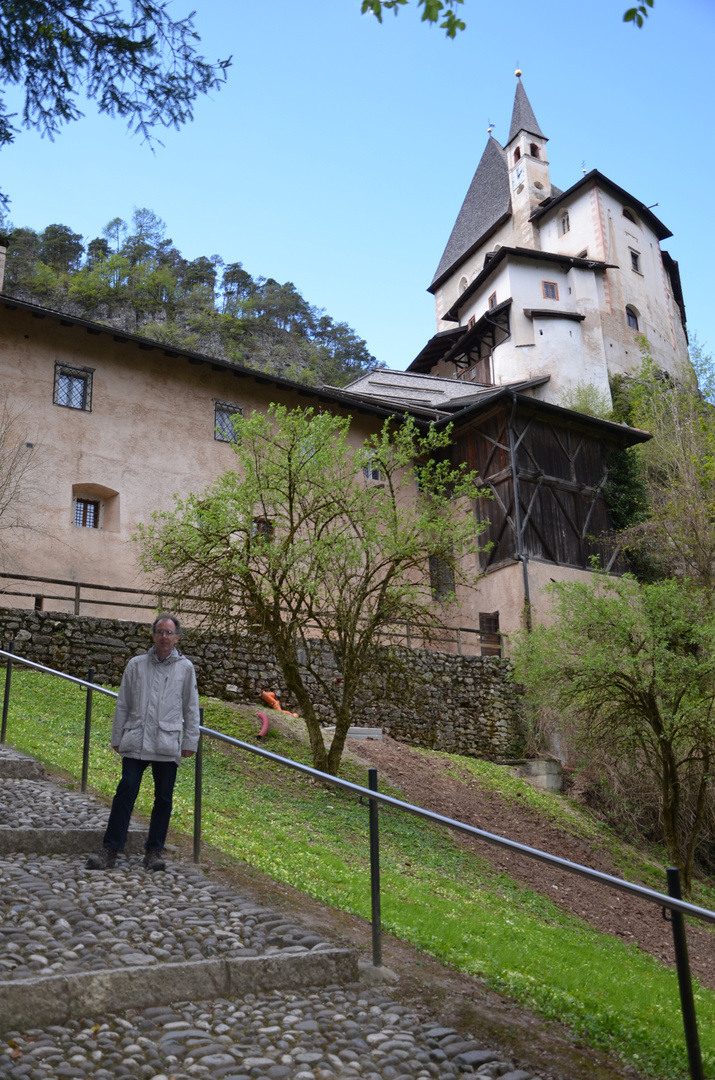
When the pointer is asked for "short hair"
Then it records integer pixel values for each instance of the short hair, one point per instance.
(161, 618)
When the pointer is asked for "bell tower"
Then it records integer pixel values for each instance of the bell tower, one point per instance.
(529, 181)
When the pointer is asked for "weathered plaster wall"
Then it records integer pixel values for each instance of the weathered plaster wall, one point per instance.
(459, 704)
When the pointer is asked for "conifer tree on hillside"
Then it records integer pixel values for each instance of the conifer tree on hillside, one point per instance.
(135, 278)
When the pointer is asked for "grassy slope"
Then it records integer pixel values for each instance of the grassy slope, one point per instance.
(443, 899)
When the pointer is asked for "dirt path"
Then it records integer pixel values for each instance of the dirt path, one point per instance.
(427, 783)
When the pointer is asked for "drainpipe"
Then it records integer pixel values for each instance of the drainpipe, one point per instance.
(523, 558)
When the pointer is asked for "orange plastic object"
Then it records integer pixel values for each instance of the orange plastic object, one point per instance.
(270, 699)
(265, 724)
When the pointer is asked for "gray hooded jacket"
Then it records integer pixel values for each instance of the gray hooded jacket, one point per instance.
(157, 711)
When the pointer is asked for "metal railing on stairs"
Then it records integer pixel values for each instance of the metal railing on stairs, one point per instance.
(672, 902)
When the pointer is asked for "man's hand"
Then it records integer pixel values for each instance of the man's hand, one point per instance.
(188, 753)
(115, 749)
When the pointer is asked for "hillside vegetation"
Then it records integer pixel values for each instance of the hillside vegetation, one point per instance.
(437, 893)
(134, 278)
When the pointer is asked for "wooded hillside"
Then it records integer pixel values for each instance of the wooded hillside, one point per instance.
(134, 278)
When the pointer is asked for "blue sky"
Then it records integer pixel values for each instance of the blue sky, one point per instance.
(338, 154)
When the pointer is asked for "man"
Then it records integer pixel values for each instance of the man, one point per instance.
(156, 722)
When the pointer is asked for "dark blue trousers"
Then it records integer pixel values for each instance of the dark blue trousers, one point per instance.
(164, 773)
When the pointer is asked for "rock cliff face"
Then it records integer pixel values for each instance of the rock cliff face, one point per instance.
(458, 704)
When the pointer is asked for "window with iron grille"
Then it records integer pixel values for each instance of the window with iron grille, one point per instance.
(73, 387)
(224, 430)
(86, 513)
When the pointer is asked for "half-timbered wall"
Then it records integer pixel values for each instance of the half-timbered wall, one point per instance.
(559, 472)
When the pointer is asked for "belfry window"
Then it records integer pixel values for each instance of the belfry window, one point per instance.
(517, 154)
(534, 150)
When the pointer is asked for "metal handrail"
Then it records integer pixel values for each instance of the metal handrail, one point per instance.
(60, 674)
(651, 895)
(673, 902)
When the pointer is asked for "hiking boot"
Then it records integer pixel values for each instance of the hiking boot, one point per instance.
(154, 860)
(106, 859)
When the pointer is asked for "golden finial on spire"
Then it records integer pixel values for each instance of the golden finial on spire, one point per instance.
(518, 73)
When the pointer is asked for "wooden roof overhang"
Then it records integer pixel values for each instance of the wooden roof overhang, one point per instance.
(435, 349)
(503, 397)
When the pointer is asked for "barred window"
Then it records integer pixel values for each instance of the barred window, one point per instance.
(73, 387)
(86, 513)
(224, 430)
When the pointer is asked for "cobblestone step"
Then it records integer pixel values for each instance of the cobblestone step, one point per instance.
(106, 975)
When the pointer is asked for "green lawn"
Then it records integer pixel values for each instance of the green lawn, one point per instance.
(445, 900)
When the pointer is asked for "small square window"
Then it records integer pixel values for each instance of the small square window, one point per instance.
(224, 430)
(635, 261)
(86, 513)
(372, 471)
(73, 388)
(550, 289)
(492, 301)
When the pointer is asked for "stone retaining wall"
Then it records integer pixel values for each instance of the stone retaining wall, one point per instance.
(460, 704)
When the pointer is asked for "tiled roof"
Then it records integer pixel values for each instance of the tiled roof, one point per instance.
(486, 204)
(522, 117)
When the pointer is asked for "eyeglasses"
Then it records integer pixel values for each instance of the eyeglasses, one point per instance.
(164, 633)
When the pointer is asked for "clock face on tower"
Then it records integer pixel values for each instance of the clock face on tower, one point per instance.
(517, 177)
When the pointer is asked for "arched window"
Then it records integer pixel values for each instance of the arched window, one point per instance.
(632, 317)
(462, 285)
(628, 213)
(517, 154)
(534, 150)
(565, 224)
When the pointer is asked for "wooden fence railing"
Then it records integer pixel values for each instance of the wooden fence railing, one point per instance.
(28, 587)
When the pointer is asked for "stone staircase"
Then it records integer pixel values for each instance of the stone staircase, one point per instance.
(171, 976)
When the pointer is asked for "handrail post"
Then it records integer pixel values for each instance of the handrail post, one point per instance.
(87, 729)
(6, 695)
(685, 985)
(198, 778)
(77, 589)
(375, 872)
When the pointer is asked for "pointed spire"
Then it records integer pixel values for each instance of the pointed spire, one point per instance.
(486, 204)
(522, 117)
